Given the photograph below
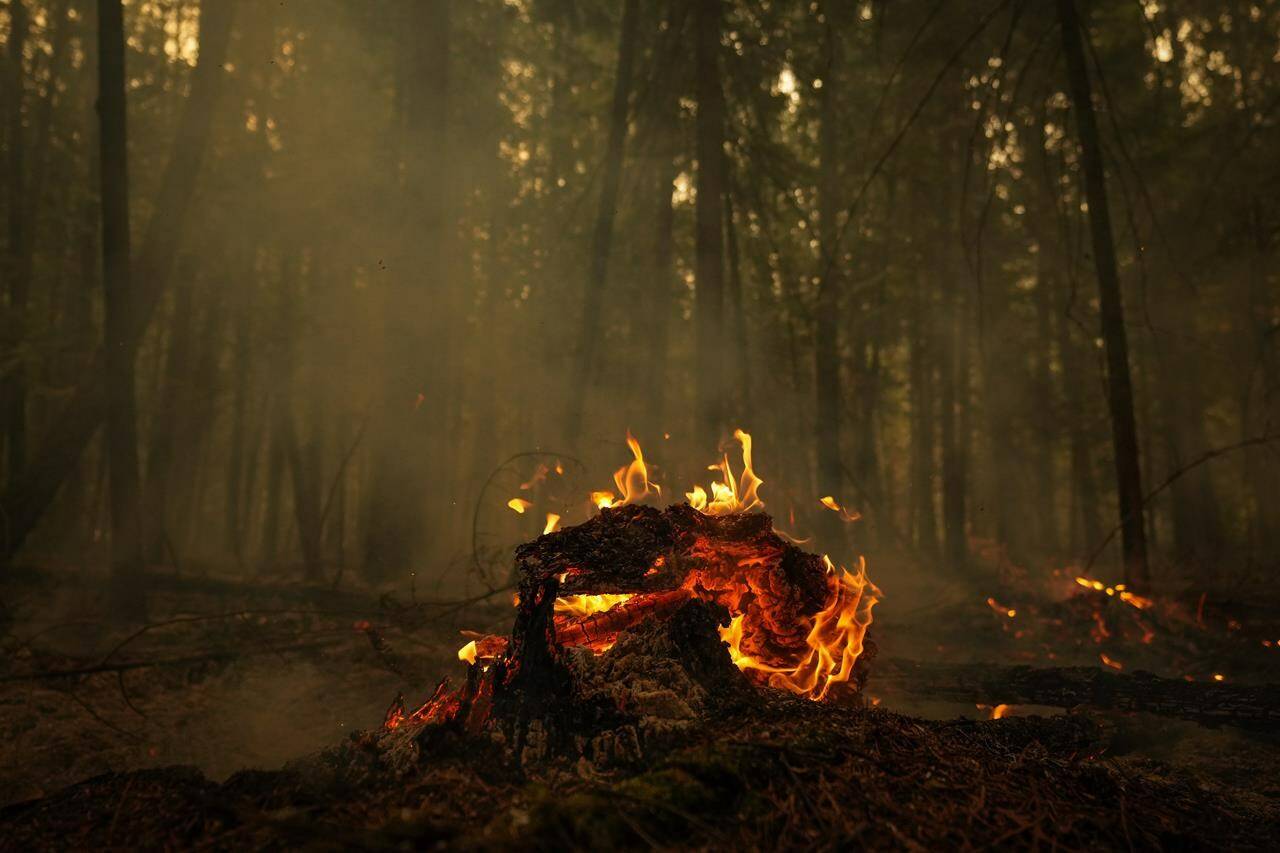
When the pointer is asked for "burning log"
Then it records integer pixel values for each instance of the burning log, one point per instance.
(1247, 706)
(787, 620)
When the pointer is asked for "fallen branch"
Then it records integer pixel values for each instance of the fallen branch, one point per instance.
(1247, 706)
(220, 656)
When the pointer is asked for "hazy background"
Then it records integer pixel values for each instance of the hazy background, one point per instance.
(420, 238)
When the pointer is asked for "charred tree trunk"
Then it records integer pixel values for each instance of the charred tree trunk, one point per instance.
(122, 432)
(1124, 431)
(602, 237)
(26, 499)
(709, 222)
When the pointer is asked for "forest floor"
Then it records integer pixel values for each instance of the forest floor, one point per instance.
(231, 677)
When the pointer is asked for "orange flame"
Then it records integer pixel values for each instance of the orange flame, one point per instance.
(730, 494)
(633, 480)
(519, 505)
(845, 514)
(764, 634)
(586, 605)
(834, 641)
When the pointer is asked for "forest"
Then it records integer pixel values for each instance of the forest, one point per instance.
(314, 313)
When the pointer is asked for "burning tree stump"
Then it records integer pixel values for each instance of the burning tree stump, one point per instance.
(639, 615)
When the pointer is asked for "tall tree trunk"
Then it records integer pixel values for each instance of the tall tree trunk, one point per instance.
(741, 373)
(602, 238)
(826, 349)
(924, 521)
(26, 499)
(173, 402)
(417, 400)
(13, 390)
(122, 433)
(240, 366)
(665, 118)
(1124, 431)
(709, 222)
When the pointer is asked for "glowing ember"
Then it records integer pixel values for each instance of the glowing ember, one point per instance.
(1001, 609)
(1119, 590)
(1107, 660)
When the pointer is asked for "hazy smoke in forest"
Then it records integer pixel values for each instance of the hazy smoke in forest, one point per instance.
(396, 264)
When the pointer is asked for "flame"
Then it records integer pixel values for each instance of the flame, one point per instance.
(468, 652)
(772, 636)
(730, 494)
(633, 480)
(539, 474)
(834, 640)
(996, 712)
(586, 605)
(845, 514)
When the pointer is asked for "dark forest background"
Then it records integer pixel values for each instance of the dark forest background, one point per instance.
(311, 288)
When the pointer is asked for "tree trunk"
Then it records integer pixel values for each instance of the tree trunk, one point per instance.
(122, 434)
(741, 373)
(1124, 433)
(173, 402)
(924, 523)
(13, 391)
(829, 475)
(26, 499)
(240, 366)
(662, 285)
(709, 223)
(602, 239)
(416, 397)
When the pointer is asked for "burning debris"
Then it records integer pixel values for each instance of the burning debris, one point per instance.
(712, 569)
